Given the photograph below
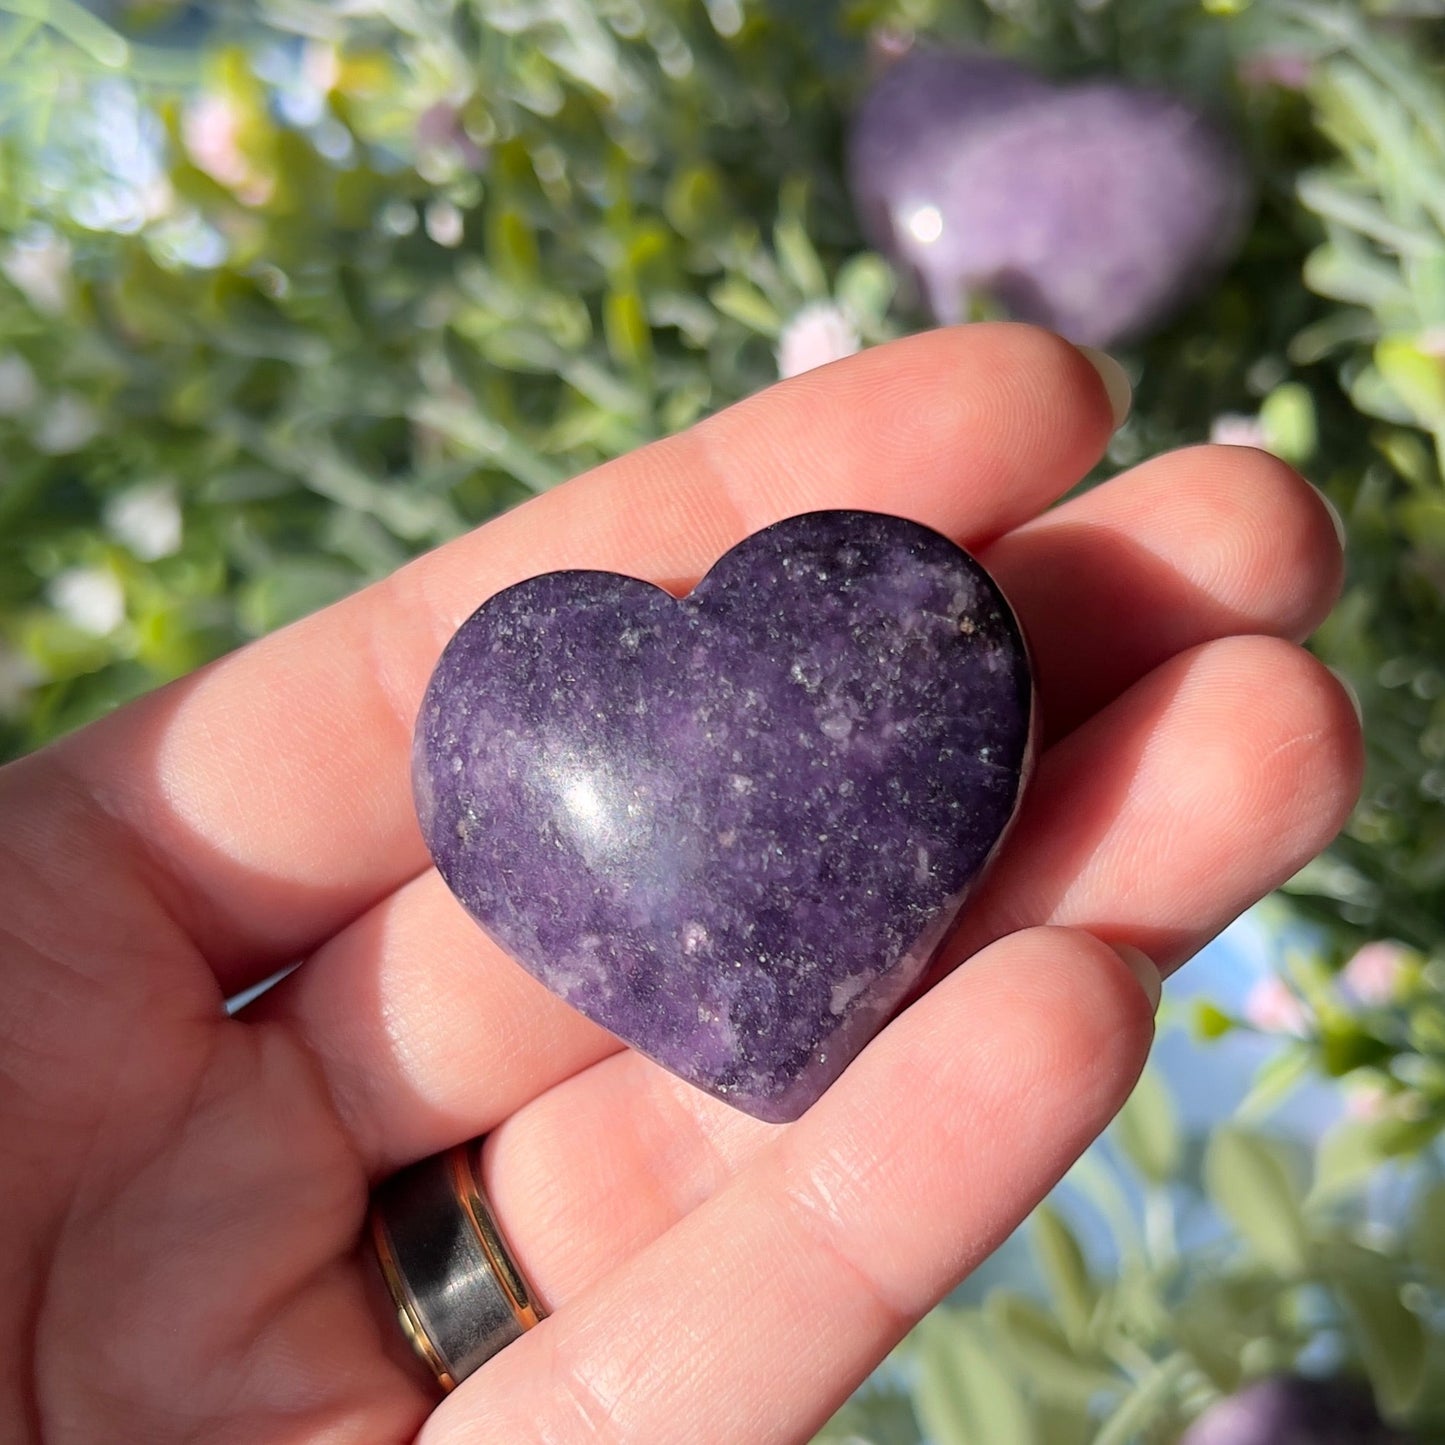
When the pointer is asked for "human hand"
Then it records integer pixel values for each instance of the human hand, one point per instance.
(180, 1234)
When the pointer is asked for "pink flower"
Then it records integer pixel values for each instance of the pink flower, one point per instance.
(211, 128)
(1373, 974)
(1272, 1007)
(1366, 1100)
(1288, 69)
(820, 332)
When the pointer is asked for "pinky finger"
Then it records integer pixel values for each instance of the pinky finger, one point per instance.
(758, 1314)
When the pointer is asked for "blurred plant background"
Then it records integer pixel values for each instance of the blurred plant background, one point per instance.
(292, 290)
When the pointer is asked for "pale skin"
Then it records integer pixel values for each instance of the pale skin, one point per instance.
(185, 1193)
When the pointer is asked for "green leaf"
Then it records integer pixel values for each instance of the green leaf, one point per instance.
(1044, 1355)
(1147, 1129)
(1417, 379)
(1248, 1178)
(1347, 271)
(1210, 1021)
(798, 259)
(1427, 1229)
(1391, 1338)
(1372, 394)
(1063, 1425)
(624, 323)
(1275, 1080)
(512, 245)
(744, 303)
(85, 31)
(291, 588)
(865, 285)
(965, 1394)
(1287, 417)
(694, 203)
(1348, 1154)
(1409, 456)
(1145, 1405)
(876, 1415)
(1355, 206)
(1062, 1262)
(1345, 1046)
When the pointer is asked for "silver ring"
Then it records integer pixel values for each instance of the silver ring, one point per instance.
(458, 1292)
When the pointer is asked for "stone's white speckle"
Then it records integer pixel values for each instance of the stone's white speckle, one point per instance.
(728, 837)
(741, 784)
(806, 672)
(630, 638)
(456, 763)
(846, 990)
(921, 869)
(695, 937)
(836, 725)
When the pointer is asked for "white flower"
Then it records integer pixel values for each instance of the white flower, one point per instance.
(18, 388)
(321, 66)
(1273, 1008)
(1374, 972)
(819, 333)
(1234, 429)
(90, 598)
(147, 519)
(444, 223)
(66, 425)
(40, 267)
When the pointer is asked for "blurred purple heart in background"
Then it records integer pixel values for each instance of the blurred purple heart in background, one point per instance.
(1096, 209)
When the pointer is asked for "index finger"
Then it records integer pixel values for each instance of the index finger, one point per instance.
(270, 790)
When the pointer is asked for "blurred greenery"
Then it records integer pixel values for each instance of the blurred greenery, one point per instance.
(291, 291)
(1304, 1269)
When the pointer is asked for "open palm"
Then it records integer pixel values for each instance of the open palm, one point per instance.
(185, 1193)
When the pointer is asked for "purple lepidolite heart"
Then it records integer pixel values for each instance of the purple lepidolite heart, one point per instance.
(732, 828)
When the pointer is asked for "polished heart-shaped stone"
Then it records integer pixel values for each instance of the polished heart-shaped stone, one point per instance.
(1094, 209)
(732, 828)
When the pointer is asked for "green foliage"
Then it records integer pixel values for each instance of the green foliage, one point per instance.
(292, 291)
(1133, 1352)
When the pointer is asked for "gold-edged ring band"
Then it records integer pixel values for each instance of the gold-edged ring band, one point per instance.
(458, 1292)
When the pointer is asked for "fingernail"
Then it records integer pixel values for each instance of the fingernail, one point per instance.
(1335, 517)
(1350, 693)
(1116, 382)
(1143, 968)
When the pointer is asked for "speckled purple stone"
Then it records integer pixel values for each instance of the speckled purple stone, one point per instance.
(732, 828)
